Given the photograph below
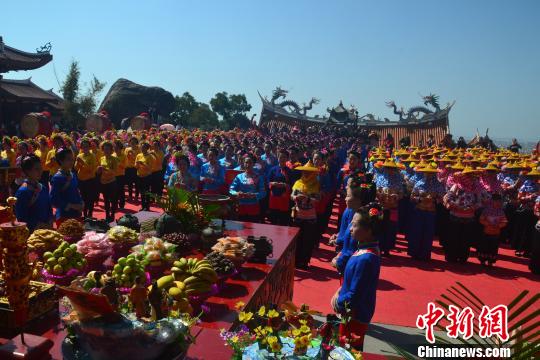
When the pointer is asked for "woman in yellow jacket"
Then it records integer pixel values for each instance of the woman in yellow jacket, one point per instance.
(131, 171)
(51, 165)
(8, 154)
(143, 163)
(107, 169)
(86, 166)
(157, 167)
(120, 173)
(41, 152)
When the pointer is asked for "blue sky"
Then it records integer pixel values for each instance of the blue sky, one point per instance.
(483, 54)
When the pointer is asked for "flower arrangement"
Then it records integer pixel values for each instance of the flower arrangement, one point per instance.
(186, 208)
(287, 332)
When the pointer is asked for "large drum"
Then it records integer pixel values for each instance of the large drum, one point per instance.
(97, 123)
(34, 124)
(140, 123)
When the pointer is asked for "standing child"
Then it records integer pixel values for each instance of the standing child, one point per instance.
(65, 196)
(157, 168)
(131, 153)
(357, 295)
(305, 195)
(493, 220)
(143, 164)
(108, 165)
(86, 166)
(33, 203)
(360, 192)
(120, 172)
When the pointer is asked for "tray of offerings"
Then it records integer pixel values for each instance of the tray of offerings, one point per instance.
(42, 299)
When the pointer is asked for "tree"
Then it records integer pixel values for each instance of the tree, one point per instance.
(185, 105)
(88, 101)
(203, 117)
(78, 106)
(220, 104)
(232, 108)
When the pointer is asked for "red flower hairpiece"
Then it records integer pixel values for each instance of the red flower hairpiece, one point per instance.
(373, 212)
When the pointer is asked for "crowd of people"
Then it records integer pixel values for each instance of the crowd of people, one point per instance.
(468, 198)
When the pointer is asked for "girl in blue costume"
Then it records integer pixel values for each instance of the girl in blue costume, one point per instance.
(248, 187)
(353, 164)
(279, 188)
(389, 191)
(426, 193)
(360, 191)
(357, 295)
(33, 204)
(212, 174)
(65, 196)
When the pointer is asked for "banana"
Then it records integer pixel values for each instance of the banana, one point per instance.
(180, 285)
(202, 263)
(165, 281)
(180, 276)
(190, 280)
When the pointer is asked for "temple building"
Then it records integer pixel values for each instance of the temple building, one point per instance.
(416, 124)
(20, 97)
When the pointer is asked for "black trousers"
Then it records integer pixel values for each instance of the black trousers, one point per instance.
(522, 231)
(89, 194)
(460, 236)
(305, 242)
(488, 248)
(132, 182)
(121, 190)
(110, 200)
(156, 185)
(144, 188)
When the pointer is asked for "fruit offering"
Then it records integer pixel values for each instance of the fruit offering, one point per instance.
(220, 263)
(72, 228)
(119, 234)
(127, 269)
(43, 240)
(190, 277)
(182, 241)
(63, 259)
(236, 249)
(96, 249)
(155, 251)
(94, 279)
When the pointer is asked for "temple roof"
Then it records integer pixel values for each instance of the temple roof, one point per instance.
(26, 90)
(340, 108)
(12, 59)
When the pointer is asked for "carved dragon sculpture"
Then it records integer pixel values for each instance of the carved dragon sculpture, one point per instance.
(305, 108)
(278, 93)
(291, 104)
(45, 49)
(392, 104)
(432, 100)
(411, 114)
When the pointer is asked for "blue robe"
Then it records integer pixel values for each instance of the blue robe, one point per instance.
(345, 241)
(31, 207)
(218, 177)
(359, 288)
(62, 195)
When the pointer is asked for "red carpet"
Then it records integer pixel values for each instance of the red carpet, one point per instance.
(407, 285)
